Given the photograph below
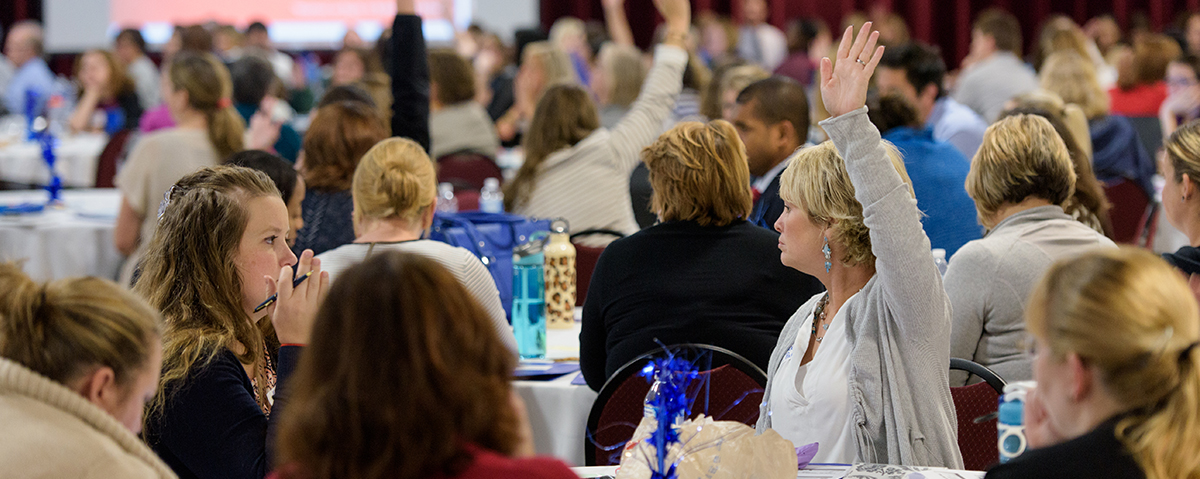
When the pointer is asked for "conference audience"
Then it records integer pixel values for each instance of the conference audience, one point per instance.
(217, 254)
(457, 123)
(1182, 104)
(364, 68)
(771, 118)
(576, 170)
(703, 274)
(432, 396)
(1180, 167)
(394, 193)
(617, 81)
(130, 48)
(729, 85)
(107, 98)
(24, 48)
(1061, 33)
(258, 42)
(1141, 89)
(1117, 152)
(1114, 337)
(882, 329)
(286, 179)
(191, 38)
(758, 41)
(916, 72)
(937, 171)
(197, 90)
(993, 71)
(79, 359)
(336, 140)
(542, 66)
(1020, 181)
(253, 80)
(802, 34)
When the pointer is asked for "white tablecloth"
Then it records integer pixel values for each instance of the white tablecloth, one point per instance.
(75, 240)
(558, 410)
(75, 159)
(857, 471)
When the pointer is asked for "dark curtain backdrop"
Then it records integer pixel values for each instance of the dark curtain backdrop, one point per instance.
(12, 11)
(946, 23)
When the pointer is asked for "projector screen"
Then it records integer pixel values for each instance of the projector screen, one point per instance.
(77, 25)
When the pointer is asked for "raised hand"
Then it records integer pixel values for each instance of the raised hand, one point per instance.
(676, 13)
(844, 84)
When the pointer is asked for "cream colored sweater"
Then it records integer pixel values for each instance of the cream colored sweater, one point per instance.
(49, 431)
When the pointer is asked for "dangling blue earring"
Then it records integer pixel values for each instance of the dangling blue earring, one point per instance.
(828, 256)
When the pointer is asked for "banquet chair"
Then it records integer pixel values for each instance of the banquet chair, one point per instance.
(110, 156)
(466, 170)
(585, 261)
(1131, 208)
(729, 388)
(977, 440)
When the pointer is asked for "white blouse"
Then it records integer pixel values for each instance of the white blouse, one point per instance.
(812, 402)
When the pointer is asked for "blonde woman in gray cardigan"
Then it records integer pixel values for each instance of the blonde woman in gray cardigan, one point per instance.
(79, 359)
(1020, 179)
(863, 368)
(576, 169)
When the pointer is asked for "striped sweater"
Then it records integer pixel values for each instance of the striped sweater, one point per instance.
(588, 184)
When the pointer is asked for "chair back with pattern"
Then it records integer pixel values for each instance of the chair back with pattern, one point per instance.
(585, 261)
(729, 388)
(977, 440)
(467, 170)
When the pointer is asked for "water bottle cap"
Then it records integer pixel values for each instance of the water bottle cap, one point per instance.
(534, 246)
(444, 187)
(560, 226)
(491, 182)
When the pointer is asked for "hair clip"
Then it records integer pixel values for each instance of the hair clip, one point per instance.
(162, 206)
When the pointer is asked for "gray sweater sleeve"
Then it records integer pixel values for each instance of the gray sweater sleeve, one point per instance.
(904, 265)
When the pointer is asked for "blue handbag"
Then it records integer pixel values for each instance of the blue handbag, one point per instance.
(491, 237)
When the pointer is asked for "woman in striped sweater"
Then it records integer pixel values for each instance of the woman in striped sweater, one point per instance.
(577, 170)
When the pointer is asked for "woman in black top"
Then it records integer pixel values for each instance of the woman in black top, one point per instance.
(1115, 335)
(703, 274)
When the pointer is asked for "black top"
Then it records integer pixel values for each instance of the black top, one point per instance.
(680, 282)
(328, 221)
(1095, 454)
(131, 108)
(1186, 259)
(410, 81)
(769, 206)
(212, 428)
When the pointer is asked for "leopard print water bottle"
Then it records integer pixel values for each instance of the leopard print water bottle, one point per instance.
(560, 277)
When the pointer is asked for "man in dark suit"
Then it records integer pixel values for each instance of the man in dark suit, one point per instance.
(772, 119)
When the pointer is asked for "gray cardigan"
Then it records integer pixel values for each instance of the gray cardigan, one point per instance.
(989, 281)
(898, 327)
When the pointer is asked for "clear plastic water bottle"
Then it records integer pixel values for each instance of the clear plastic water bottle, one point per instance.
(491, 199)
(939, 259)
(1010, 426)
(529, 300)
(446, 202)
(59, 105)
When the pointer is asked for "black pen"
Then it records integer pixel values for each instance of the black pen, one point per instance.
(296, 282)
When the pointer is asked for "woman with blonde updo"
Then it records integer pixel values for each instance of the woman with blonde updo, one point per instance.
(1114, 341)
(394, 191)
(79, 359)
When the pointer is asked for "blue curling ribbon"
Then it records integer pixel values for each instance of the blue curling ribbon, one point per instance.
(670, 403)
(31, 103)
(46, 139)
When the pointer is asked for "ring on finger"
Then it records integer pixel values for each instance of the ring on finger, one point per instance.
(860, 62)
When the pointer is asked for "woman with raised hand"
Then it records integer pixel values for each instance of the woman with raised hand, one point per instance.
(863, 368)
(1115, 337)
(217, 255)
(406, 379)
(79, 360)
(577, 170)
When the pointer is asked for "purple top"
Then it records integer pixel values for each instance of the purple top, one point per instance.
(156, 118)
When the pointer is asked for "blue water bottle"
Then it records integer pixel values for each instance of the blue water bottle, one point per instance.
(1011, 424)
(529, 299)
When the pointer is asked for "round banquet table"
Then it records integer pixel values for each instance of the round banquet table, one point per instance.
(73, 240)
(76, 158)
(558, 410)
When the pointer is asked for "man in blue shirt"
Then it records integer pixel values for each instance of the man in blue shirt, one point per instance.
(23, 47)
(916, 71)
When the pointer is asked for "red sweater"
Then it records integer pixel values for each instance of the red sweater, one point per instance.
(1139, 101)
(487, 465)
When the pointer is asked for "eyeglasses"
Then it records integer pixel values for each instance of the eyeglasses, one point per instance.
(1180, 82)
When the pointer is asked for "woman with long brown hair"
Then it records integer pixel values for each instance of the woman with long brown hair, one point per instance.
(406, 379)
(1115, 337)
(218, 253)
(579, 171)
(207, 130)
(104, 87)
